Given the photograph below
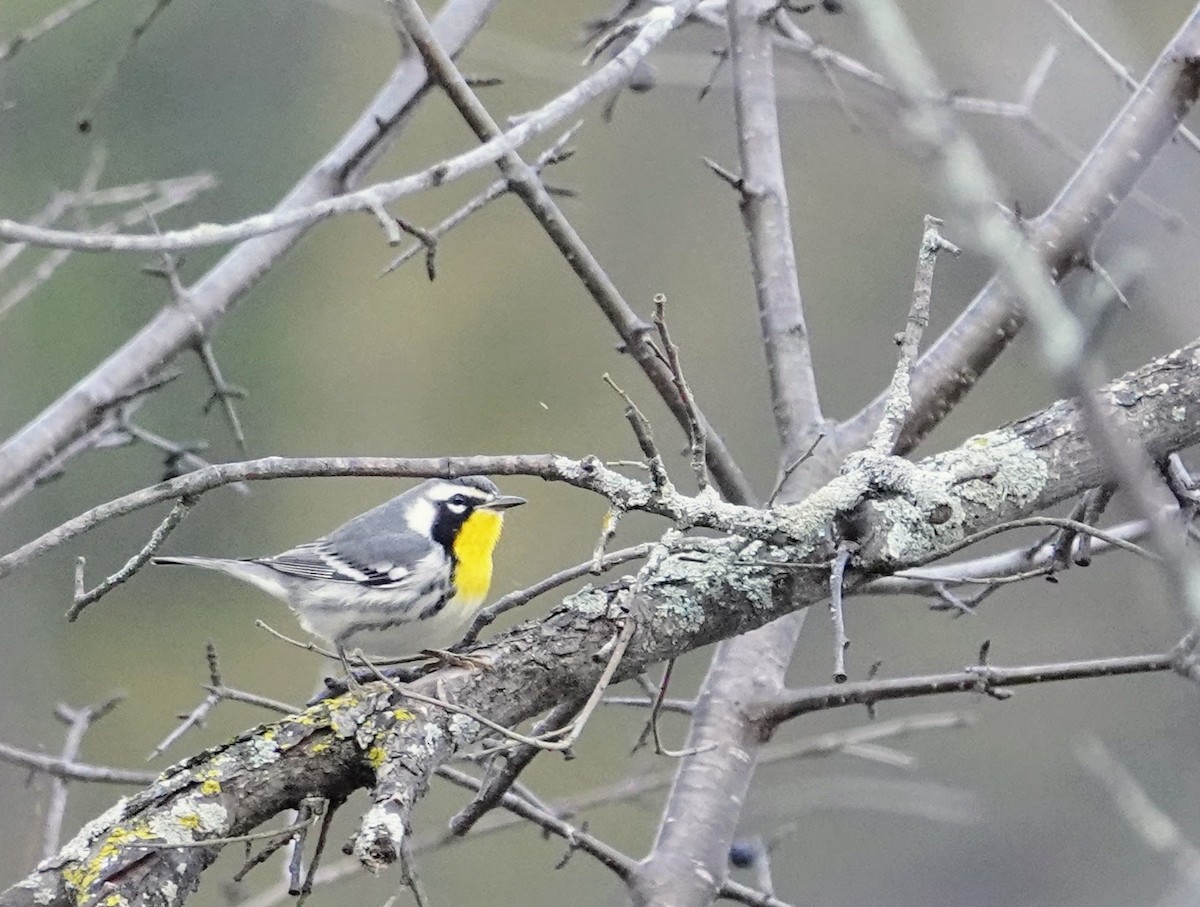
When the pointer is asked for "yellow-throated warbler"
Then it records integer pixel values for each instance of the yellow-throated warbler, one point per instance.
(396, 580)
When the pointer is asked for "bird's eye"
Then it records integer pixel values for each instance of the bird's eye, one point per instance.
(460, 500)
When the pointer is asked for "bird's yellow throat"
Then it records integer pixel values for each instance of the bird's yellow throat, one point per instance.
(473, 547)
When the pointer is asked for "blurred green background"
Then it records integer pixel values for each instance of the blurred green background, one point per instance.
(504, 353)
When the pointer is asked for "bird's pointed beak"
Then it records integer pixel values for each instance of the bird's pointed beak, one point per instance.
(503, 502)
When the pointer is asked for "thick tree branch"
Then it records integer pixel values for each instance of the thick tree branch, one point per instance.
(1062, 236)
(851, 742)
(905, 514)
(1033, 463)
(1118, 69)
(653, 28)
(971, 190)
(58, 429)
(527, 185)
(395, 743)
(766, 214)
(690, 852)
(588, 473)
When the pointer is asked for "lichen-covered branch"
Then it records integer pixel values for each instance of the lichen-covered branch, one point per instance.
(903, 514)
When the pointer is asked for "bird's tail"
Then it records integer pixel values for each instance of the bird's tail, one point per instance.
(263, 577)
(189, 561)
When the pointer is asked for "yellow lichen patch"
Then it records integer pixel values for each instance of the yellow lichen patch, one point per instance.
(84, 876)
(376, 755)
(80, 877)
(189, 820)
(210, 787)
(318, 748)
(402, 715)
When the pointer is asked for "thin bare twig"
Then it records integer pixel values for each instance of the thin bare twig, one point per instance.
(149, 199)
(695, 429)
(1062, 523)
(651, 728)
(497, 784)
(309, 808)
(177, 454)
(613, 859)
(50, 264)
(555, 154)
(1020, 561)
(981, 678)
(655, 28)
(69, 770)
(899, 400)
(286, 833)
(720, 58)
(790, 468)
(543, 741)
(58, 205)
(85, 597)
(645, 437)
(83, 120)
(678, 706)
(836, 582)
(79, 721)
(195, 718)
(730, 890)
(1121, 70)
(276, 841)
(408, 872)
(56, 18)
(223, 392)
(527, 185)
(232, 694)
(306, 813)
(346, 659)
(1092, 507)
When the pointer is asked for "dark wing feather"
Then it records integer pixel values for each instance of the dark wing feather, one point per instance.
(361, 558)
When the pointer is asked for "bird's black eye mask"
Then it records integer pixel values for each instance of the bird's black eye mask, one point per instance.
(450, 519)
